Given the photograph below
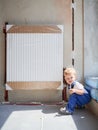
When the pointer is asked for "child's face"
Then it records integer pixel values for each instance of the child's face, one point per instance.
(70, 78)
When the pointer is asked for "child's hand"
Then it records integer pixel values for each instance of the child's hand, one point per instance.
(71, 91)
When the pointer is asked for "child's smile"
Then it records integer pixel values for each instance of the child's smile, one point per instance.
(70, 78)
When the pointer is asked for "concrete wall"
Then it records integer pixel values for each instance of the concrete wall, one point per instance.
(78, 39)
(46, 12)
(91, 44)
(2, 53)
(90, 38)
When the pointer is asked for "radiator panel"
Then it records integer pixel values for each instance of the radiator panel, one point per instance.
(35, 56)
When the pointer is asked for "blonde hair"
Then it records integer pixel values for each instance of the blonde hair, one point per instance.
(68, 71)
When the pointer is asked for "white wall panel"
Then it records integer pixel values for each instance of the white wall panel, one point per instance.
(35, 56)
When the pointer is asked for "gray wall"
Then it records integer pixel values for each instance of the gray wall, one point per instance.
(2, 53)
(44, 12)
(90, 38)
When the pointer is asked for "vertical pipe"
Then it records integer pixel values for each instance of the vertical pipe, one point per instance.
(4, 31)
(72, 31)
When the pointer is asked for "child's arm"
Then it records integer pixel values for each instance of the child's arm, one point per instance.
(77, 91)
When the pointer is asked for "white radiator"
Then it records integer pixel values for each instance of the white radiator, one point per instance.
(34, 57)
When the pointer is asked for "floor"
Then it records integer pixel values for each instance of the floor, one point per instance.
(44, 117)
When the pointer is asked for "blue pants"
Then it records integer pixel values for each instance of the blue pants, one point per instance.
(78, 100)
